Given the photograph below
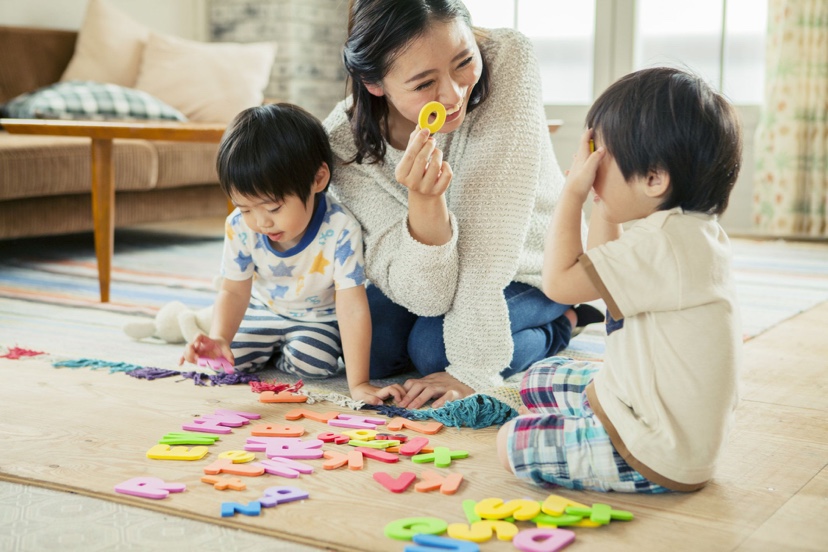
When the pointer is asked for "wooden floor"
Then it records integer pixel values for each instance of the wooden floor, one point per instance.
(85, 431)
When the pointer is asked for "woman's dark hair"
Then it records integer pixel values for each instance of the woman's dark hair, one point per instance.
(378, 30)
(667, 119)
(272, 151)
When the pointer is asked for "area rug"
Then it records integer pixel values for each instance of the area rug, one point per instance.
(49, 290)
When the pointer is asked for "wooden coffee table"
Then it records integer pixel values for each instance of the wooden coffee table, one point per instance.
(103, 177)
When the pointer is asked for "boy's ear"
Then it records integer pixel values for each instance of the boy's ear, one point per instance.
(658, 183)
(374, 89)
(321, 178)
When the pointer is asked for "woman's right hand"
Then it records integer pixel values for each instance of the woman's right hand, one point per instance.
(427, 177)
(422, 169)
(203, 346)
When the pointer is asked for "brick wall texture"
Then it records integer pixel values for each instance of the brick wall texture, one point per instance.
(309, 33)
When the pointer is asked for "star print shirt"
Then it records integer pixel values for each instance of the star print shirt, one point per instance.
(299, 283)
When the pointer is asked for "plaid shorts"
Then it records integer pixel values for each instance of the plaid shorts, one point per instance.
(562, 442)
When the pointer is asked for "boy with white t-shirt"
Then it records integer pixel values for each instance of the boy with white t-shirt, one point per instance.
(655, 416)
(293, 286)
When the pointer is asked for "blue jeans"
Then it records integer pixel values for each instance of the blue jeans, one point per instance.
(402, 340)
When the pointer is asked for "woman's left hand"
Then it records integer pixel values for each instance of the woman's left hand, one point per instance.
(439, 386)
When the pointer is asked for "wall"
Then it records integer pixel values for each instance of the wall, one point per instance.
(184, 18)
(310, 34)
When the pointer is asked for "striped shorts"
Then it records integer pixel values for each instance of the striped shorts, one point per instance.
(307, 349)
(562, 442)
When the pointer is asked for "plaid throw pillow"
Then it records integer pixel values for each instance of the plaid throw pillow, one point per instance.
(89, 100)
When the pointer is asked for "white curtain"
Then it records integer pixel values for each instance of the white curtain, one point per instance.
(791, 177)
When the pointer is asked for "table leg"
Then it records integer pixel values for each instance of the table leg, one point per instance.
(103, 210)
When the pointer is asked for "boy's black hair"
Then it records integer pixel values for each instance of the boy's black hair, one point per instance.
(272, 151)
(668, 119)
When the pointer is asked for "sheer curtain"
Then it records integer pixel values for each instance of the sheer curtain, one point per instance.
(791, 178)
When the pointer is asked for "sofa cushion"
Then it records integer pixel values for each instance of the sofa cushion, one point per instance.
(109, 47)
(208, 82)
(89, 100)
(32, 166)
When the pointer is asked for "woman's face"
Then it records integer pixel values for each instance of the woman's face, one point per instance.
(442, 65)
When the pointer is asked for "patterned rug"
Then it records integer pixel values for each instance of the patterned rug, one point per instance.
(49, 292)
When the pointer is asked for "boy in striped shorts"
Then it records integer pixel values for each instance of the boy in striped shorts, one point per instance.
(661, 155)
(293, 287)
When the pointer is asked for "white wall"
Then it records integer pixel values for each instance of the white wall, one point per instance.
(184, 18)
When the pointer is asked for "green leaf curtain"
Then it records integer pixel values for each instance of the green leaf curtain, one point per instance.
(791, 177)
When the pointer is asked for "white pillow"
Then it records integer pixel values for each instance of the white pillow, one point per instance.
(207, 81)
(109, 47)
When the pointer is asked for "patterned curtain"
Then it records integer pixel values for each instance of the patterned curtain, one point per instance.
(791, 177)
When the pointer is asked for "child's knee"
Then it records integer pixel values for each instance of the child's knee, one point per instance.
(307, 365)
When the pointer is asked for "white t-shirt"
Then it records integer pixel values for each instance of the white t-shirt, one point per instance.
(299, 283)
(669, 385)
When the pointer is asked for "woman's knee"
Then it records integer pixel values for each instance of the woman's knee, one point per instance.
(426, 346)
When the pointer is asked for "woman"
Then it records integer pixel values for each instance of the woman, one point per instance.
(453, 223)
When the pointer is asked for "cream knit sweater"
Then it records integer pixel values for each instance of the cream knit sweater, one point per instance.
(505, 185)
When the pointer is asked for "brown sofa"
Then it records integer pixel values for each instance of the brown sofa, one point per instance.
(45, 180)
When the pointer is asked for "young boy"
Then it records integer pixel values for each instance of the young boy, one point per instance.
(655, 416)
(292, 267)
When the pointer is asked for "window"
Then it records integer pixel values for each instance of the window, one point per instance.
(722, 40)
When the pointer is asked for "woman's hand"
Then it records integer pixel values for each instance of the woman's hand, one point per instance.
(427, 177)
(371, 394)
(422, 169)
(203, 346)
(439, 386)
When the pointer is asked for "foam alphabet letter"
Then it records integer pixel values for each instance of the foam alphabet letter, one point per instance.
(285, 467)
(287, 447)
(406, 528)
(229, 509)
(273, 430)
(494, 508)
(222, 483)
(481, 531)
(543, 540)
(238, 456)
(165, 452)
(429, 428)
(299, 413)
(433, 543)
(356, 422)
(220, 421)
(448, 485)
(226, 465)
(280, 495)
(149, 487)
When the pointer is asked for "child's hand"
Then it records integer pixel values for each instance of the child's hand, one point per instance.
(203, 346)
(370, 394)
(581, 175)
(422, 169)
